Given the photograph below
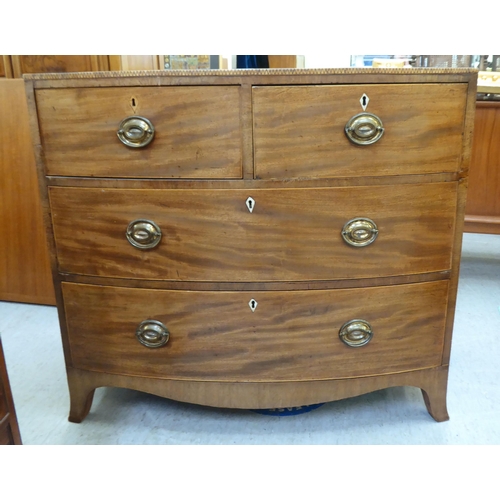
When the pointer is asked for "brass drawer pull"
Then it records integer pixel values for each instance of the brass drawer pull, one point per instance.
(143, 234)
(152, 333)
(364, 129)
(360, 232)
(356, 333)
(136, 131)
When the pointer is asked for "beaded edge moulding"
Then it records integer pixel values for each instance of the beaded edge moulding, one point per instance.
(240, 72)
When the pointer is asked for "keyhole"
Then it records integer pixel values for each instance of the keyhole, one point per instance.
(133, 102)
(253, 304)
(250, 204)
(364, 101)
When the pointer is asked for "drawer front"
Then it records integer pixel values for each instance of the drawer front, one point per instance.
(291, 234)
(290, 335)
(299, 130)
(197, 132)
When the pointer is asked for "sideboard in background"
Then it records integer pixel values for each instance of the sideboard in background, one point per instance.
(24, 260)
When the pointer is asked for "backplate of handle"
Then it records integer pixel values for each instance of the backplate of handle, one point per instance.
(143, 234)
(356, 333)
(360, 232)
(136, 131)
(364, 129)
(152, 333)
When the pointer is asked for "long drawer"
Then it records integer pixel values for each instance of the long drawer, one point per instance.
(289, 234)
(292, 335)
(299, 130)
(197, 131)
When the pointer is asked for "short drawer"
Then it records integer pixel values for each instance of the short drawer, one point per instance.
(299, 131)
(197, 132)
(291, 335)
(290, 235)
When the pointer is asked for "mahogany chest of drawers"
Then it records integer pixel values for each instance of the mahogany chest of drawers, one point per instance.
(255, 238)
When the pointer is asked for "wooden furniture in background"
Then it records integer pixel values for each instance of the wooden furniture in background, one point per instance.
(58, 64)
(131, 63)
(64, 64)
(284, 61)
(483, 196)
(5, 67)
(215, 251)
(25, 270)
(16, 66)
(9, 428)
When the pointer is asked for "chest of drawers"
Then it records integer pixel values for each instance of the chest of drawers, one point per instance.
(256, 238)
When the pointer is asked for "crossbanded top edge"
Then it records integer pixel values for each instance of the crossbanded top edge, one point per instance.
(250, 72)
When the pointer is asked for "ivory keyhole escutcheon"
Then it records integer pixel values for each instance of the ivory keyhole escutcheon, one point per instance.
(364, 101)
(253, 304)
(250, 203)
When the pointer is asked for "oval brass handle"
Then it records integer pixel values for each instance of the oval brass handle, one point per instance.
(360, 232)
(356, 333)
(364, 129)
(143, 234)
(152, 333)
(136, 131)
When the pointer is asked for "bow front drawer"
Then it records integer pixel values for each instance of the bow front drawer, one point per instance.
(289, 335)
(239, 235)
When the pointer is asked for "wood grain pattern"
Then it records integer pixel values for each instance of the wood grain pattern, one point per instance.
(292, 234)
(197, 132)
(290, 336)
(56, 64)
(468, 133)
(482, 224)
(24, 261)
(288, 61)
(246, 118)
(299, 130)
(254, 395)
(5, 70)
(215, 256)
(135, 62)
(455, 268)
(483, 197)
